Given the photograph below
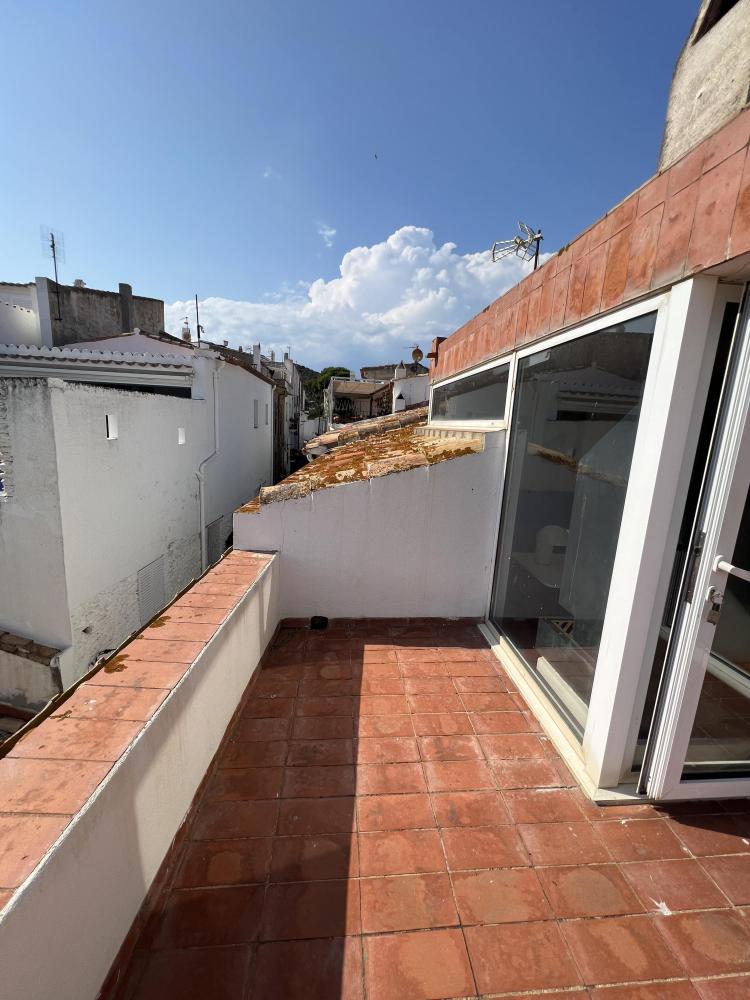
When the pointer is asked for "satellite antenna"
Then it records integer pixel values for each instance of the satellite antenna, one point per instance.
(53, 245)
(417, 354)
(525, 246)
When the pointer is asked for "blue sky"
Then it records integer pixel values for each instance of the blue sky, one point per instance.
(229, 149)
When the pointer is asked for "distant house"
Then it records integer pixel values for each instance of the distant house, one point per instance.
(380, 372)
(121, 462)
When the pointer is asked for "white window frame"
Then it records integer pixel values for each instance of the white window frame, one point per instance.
(506, 359)
(647, 537)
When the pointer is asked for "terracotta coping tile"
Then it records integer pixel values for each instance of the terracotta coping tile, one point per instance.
(138, 673)
(48, 786)
(166, 628)
(60, 738)
(92, 701)
(163, 650)
(24, 840)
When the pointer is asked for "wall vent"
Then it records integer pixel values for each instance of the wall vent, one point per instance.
(214, 546)
(151, 590)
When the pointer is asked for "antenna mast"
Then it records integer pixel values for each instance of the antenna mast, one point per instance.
(525, 246)
(53, 245)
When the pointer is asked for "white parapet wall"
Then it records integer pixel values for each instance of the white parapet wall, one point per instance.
(417, 543)
(63, 928)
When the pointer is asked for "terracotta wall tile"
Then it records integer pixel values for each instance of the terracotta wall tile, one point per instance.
(580, 246)
(717, 198)
(522, 313)
(652, 194)
(616, 272)
(623, 214)
(599, 232)
(592, 289)
(674, 236)
(545, 305)
(685, 171)
(728, 140)
(575, 291)
(560, 298)
(532, 322)
(643, 246)
(739, 239)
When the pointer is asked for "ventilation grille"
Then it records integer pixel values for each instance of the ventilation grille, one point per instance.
(151, 590)
(214, 547)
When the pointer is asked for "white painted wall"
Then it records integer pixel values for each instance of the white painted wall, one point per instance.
(414, 388)
(415, 543)
(82, 900)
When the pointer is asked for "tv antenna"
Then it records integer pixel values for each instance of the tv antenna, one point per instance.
(53, 245)
(525, 246)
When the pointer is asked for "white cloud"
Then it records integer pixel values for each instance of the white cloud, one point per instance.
(387, 296)
(270, 174)
(326, 234)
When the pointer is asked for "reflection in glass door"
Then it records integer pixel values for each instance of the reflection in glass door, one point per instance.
(575, 415)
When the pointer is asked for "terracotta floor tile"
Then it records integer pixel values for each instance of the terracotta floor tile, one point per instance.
(641, 840)
(48, 786)
(499, 722)
(458, 776)
(732, 873)
(476, 701)
(419, 966)
(241, 783)
(253, 730)
(729, 988)
(673, 990)
(195, 918)
(620, 950)
(257, 754)
(387, 750)
(470, 809)
(219, 973)
(513, 746)
(426, 703)
(24, 840)
(307, 859)
(394, 812)
(468, 668)
(311, 910)
(534, 773)
(678, 885)
(443, 724)
(318, 782)
(705, 835)
(303, 817)
(383, 704)
(450, 748)
(501, 895)
(91, 701)
(440, 684)
(224, 862)
(381, 685)
(309, 970)
(709, 942)
(325, 707)
(407, 902)
(77, 739)
(515, 957)
(400, 852)
(483, 685)
(387, 779)
(269, 687)
(382, 725)
(483, 847)
(589, 891)
(219, 820)
(307, 752)
(268, 708)
(323, 729)
(564, 843)
(416, 669)
(543, 805)
(316, 688)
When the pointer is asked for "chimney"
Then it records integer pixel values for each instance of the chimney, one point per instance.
(286, 355)
(256, 357)
(79, 283)
(240, 349)
(273, 355)
(226, 343)
(126, 308)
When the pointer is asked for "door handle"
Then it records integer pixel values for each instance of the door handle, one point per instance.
(722, 566)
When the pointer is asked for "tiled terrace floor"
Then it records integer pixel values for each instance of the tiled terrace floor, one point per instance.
(386, 820)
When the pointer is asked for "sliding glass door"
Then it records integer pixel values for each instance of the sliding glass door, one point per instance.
(575, 414)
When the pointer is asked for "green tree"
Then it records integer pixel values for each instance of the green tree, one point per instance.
(315, 388)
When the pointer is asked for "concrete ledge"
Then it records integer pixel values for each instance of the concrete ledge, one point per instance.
(61, 929)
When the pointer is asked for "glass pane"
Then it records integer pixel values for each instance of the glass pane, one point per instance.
(574, 423)
(720, 740)
(477, 397)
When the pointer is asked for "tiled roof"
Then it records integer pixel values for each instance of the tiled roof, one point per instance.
(343, 433)
(20, 645)
(29, 352)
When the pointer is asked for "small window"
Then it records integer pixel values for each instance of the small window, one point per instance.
(714, 13)
(111, 426)
(181, 435)
(476, 397)
(255, 413)
(266, 414)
